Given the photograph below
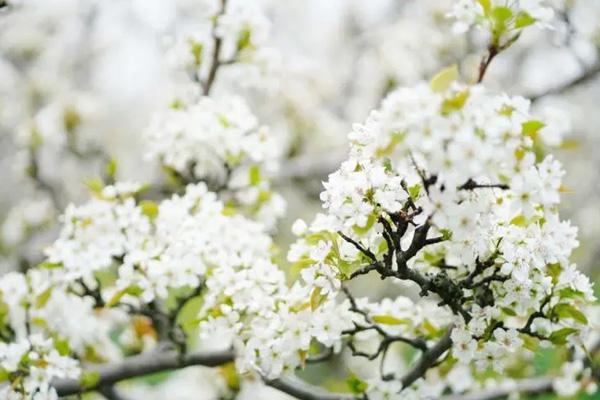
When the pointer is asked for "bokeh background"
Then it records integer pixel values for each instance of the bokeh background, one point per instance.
(80, 80)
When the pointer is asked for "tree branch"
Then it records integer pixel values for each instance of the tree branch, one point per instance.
(110, 393)
(140, 365)
(428, 359)
(304, 391)
(216, 56)
(160, 360)
(533, 386)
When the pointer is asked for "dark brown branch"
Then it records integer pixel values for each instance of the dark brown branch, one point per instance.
(472, 185)
(532, 386)
(494, 49)
(428, 359)
(486, 61)
(365, 270)
(216, 56)
(303, 391)
(359, 246)
(538, 314)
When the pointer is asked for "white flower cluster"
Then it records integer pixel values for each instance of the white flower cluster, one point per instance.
(500, 15)
(35, 304)
(216, 138)
(468, 165)
(221, 141)
(96, 233)
(191, 241)
(272, 326)
(28, 365)
(155, 247)
(242, 29)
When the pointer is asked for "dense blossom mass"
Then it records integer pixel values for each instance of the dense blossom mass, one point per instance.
(447, 186)
(448, 194)
(218, 138)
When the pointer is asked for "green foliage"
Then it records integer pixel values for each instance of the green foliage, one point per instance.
(443, 79)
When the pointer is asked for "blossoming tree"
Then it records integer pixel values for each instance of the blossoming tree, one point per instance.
(448, 193)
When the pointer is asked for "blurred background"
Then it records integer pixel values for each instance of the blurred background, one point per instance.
(80, 80)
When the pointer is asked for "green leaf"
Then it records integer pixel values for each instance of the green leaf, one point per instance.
(196, 49)
(560, 336)
(94, 185)
(524, 19)
(303, 263)
(531, 128)
(230, 376)
(530, 343)
(388, 320)
(501, 14)
(433, 258)
(244, 39)
(132, 290)
(363, 230)
(49, 265)
(396, 138)
(62, 346)
(570, 293)
(455, 103)
(149, 209)
(509, 311)
(43, 298)
(316, 237)
(414, 191)
(89, 379)
(486, 5)
(188, 315)
(519, 220)
(446, 234)
(387, 164)
(316, 298)
(564, 310)
(111, 169)
(356, 385)
(570, 144)
(254, 175)
(443, 79)
(3, 375)
(71, 120)
(554, 271)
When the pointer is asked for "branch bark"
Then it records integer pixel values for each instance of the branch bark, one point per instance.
(428, 359)
(304, 391)
(140, 365)
(533, 386)
(216, 56)
(160, 360)
(110, 393)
